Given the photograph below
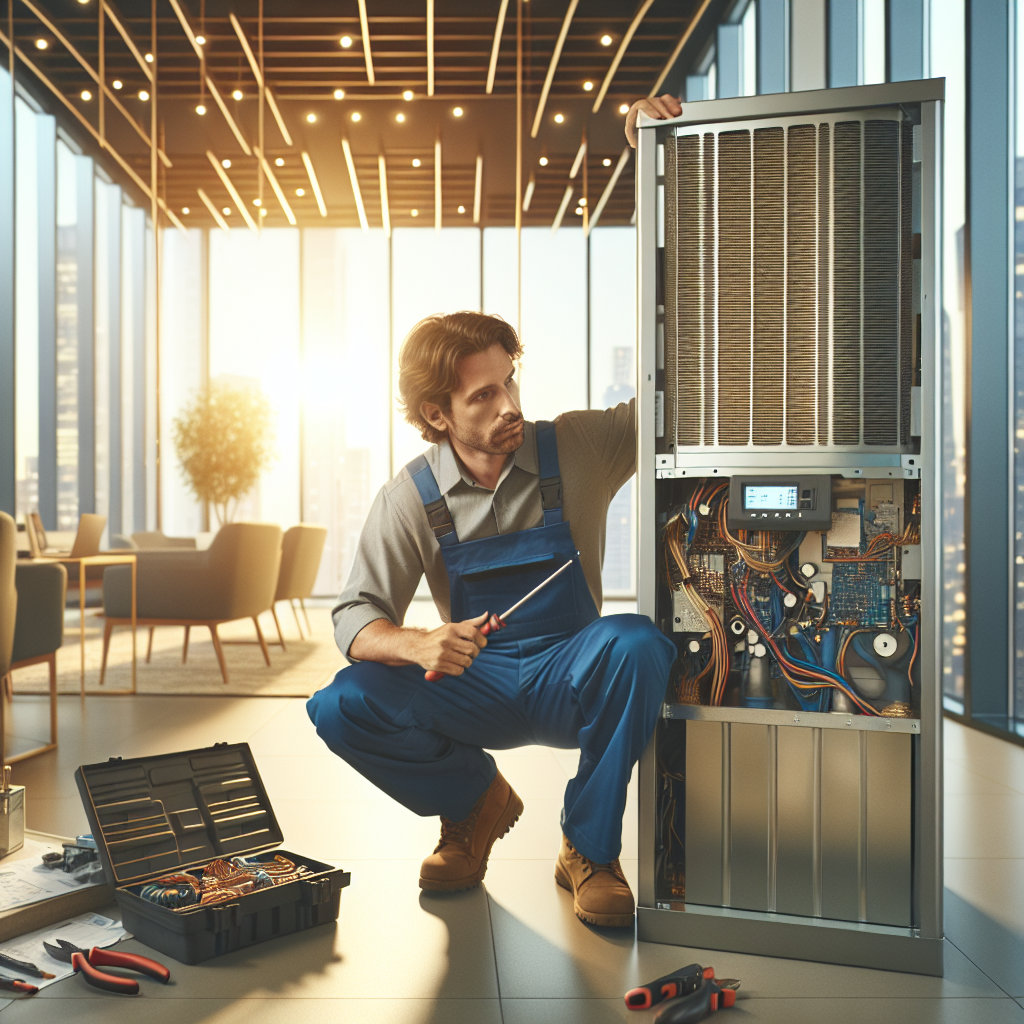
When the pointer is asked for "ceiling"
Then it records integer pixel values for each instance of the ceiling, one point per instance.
(304, 63)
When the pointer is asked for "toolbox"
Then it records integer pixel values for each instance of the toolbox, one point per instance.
(157, 816)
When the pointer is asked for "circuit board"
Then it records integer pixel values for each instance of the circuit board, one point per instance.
(861, 593)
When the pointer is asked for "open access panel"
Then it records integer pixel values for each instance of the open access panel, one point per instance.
(789, 435)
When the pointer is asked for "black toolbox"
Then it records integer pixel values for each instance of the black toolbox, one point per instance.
(155, 816)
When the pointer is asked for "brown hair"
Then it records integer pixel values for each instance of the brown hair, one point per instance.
(429, 357)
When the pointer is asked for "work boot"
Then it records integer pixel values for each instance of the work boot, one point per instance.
(600, 892)
(460, 859)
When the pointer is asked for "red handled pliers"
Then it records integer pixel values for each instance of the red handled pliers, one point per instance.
(86, 962)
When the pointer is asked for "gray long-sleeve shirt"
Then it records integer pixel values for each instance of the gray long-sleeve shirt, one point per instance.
(596, 454)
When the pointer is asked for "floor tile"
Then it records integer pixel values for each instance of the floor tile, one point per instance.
(533, 772)
(543, 951)
(296, 776)
(779, 1011)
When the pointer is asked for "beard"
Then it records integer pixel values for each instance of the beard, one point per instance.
(501, 440)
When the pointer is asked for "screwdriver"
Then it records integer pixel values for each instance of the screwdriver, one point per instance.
(497, 621)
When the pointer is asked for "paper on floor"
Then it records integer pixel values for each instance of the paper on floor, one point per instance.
(86, 930)
(24, 879)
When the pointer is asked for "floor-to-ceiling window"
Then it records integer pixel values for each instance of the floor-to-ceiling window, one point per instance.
(67, 337)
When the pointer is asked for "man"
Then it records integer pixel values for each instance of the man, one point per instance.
(491, 510)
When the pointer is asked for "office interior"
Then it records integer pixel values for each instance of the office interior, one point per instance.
(254, 202)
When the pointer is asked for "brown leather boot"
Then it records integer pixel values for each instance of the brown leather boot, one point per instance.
(600, 891)
(460, 859)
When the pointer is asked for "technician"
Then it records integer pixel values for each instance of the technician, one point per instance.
(491, 509)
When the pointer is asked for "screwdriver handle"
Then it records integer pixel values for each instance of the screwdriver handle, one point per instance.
(490, 626)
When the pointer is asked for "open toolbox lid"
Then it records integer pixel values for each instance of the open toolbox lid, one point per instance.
(153, 816)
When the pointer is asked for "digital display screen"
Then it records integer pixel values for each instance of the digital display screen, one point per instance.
(770, 497)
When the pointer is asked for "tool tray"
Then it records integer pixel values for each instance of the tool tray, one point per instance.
(156, 816)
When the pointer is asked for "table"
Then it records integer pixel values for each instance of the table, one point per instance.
(104, 559)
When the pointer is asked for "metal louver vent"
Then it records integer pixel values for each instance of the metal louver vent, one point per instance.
(788, 274)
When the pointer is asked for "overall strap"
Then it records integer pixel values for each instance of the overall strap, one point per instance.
(550, 477)
(438, 515)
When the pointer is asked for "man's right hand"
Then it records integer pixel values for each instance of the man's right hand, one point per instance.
(451, 648)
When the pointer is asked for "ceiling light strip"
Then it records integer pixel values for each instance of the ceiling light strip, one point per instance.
(314, 183)
(430, 47)
(559, 43)
(278, 191)
(282, 127)
(385, 209)
(171, 216)
(221, 222)
(499, 28)
(562, 207)
(684, 39)
(191, 38)
(528, 197)
(360, 209)
(232, 191)
(620, 53)
(249, 56)
(227, 116)
(437, 185)
(365, 26)
(580, 154)
(609, 188)
(478, 189)
(128, 41)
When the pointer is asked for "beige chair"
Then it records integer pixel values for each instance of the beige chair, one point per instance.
(235, 578)
(301, 551)
(147, 539)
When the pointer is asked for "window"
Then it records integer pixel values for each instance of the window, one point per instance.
(67, 338)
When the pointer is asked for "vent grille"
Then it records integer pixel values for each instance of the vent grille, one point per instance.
(789, 270)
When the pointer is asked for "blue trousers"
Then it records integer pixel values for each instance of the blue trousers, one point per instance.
(599, 689)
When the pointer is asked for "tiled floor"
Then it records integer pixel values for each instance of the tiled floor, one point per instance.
(511, 951)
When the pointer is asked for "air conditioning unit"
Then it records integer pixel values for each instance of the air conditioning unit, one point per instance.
(789, 496)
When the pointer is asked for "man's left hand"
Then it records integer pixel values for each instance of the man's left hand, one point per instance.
(661, 107)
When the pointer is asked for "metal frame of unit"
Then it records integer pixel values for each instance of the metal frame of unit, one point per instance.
(918, 948)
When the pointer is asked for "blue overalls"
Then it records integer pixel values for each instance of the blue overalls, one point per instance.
(558, 674)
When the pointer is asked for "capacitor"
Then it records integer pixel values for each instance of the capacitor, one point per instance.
(759, 650)
(703, 509)
(884, 645)
(694, 646)
(737, 626)
(752, 637)
(789, 600)
(808, 570)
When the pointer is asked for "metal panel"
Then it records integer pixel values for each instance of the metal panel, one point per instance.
(46, 192)
(888, 828)
(749, 805)
(840, 825)
(704, 817)
(797, 803)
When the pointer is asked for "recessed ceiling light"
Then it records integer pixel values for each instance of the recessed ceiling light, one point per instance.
(400, 118)
(606, 162)
(624, 108)
(86, 95)
(279, 161)
(587, 86)
(462, 209)
(407, 95)
(201, 40)
(226, 211)
(581, 202)
(457, 111)
(41, 44)
(339, 94)
(117, 83)
(311, 118)
(415, 161)
(414, 213)
(143, 95)
(579, 211)
(226, 164)
(356, 116)
(543, 161)
(149, 58)
(559, 118)
(346, 42)
(185, 210)
(257, 202)
(237, 94)
(200, 109)
(606, 40)
(263, 213)
(300, 191)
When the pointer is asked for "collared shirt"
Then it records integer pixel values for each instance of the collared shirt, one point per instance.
(596, 454)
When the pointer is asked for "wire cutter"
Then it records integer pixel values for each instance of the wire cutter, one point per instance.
(712, 995)
(86, 962)
(671, 986)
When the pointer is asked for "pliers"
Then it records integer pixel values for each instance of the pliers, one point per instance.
(86, 962)
(679, 983)
(712, 995)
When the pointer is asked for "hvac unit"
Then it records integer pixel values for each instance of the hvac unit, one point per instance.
(789, 496)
